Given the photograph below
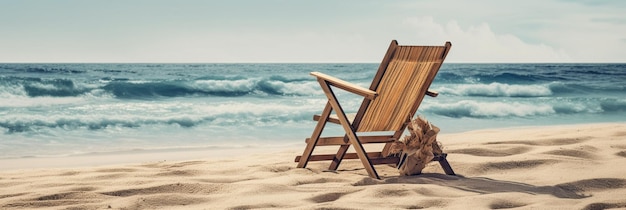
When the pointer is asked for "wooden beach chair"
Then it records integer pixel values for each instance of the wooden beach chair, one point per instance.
(396, 92)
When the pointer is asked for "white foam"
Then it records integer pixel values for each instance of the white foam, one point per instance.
(300, 88)
(497, 90)
(38, 101)
(12, 90)
(467, 108)
(243, 85)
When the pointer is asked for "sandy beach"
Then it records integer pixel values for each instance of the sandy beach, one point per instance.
(551, 167)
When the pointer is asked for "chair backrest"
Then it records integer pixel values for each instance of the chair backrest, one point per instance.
(401, 82)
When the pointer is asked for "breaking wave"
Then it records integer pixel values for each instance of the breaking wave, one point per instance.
(146, 89)
(499, 109)
(497, 90)
(476, 109)
(184, 115)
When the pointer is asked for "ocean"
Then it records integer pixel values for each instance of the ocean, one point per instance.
(74, 109)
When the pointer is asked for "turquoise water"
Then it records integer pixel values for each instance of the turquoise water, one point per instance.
(65, 109)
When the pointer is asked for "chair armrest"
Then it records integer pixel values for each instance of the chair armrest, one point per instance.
(367, 93)
(432, 93)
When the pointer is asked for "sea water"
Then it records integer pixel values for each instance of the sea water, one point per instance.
(69, 109)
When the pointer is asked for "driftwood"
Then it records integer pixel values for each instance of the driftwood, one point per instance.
(419, 148)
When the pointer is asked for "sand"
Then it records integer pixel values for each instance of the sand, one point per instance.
(553, 167)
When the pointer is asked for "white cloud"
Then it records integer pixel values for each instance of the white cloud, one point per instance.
(324, 31)
(478, 43)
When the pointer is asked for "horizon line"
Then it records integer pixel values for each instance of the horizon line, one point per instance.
(302, 62)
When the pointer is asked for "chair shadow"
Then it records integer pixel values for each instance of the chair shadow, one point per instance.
(485, 185)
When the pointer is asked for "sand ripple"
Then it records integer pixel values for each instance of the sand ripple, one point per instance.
(570, 167)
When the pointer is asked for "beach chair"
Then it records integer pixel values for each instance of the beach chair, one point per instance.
(400, 84)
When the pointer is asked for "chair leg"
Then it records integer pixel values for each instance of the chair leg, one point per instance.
(315, 136)
(338, 157)
(350, 131)
(386, 149)
(443, 161)
(365, 160)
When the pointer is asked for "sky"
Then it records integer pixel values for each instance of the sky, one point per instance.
(200, 31)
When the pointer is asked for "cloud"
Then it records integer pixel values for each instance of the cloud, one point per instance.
(612, 20)
(478, 43)
(326, 31)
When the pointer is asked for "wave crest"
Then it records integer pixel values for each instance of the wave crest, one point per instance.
(488, 109)
(497, 90)
(147, 89)
(141, 114)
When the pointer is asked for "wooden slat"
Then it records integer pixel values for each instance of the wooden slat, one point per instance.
(346, 156)
(327, 141)
(376, 160)
(432, 93)
(367, 93)
(333, 118)
(375, 157)
(387, 160)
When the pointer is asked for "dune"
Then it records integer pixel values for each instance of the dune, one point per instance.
(550, 167)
